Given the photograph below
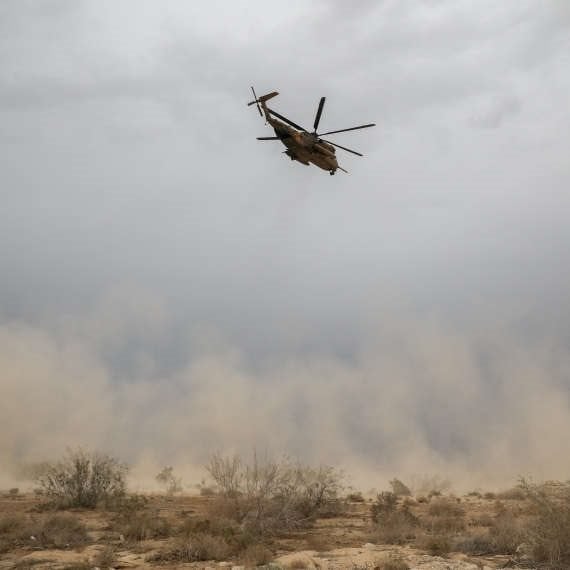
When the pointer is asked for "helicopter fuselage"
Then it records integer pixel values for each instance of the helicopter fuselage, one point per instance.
(304, 147)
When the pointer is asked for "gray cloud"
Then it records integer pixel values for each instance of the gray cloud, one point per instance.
(128, 162)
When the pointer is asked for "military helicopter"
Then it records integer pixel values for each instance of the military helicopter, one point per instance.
(303, 146)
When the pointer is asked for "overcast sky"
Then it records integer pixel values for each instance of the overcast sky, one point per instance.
(143, 225)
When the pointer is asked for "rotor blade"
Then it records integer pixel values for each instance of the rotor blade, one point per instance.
(351, 129)
(288, 121)
(256, 101)
(343, 147)
(268, 138)
(319, 113)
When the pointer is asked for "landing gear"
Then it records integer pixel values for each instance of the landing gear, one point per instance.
(331, 172)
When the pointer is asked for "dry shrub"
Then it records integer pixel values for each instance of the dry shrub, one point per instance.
(256, 555)
(436, 545)
(318, 543)
(196, 548)
(386, 504)
(58, 531)
(490, 496)
(269, 496)
(506, 534)
(478, 544)
(82, 479)
(143, 526)
(106, 558)
(502, 537)
(355, 497)
(549, 532)
(396, 528)
(171, 483)
(513, 494)
(399, 489)
(484, 520)
(392, 525)
(392, 563)
(13, 530)
(237, 537)
(445, 508)
(444, 525)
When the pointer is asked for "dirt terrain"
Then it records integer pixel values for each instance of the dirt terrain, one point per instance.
(140, 536)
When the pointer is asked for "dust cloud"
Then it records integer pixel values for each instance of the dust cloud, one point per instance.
(479, 404)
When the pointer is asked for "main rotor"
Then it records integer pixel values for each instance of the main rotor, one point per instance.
(318, 136)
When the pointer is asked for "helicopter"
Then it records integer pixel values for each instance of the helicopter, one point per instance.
(303, 146)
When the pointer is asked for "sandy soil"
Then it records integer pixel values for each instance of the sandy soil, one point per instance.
(332, 543)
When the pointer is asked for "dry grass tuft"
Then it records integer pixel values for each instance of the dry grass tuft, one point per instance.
(256, 555)
(392, 563)
(436, 545)
(106, 558)
(56, 531)
(196, 548)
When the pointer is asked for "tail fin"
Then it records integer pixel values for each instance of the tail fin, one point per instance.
(263, 98)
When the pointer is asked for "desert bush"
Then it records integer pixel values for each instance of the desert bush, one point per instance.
(256, 555)
(513, 494)
(58, 531)
(318, 543)
(549, 531)
(490, 496)
(399, 489)
(143, 526)
(272, 495)
(171, 483)
(445, 508)
(478, 544)
(474, 494)
(13, 491)
(83, 479)
(445, 516)
(13, 530)
(444, 524)
(485, 520)
(392, 525)
(392, 563)
(228, 474)
(506, 534)
(55, 531)
(105, 558)
(386, 504)
(503, 536)
(436, 545)
(355, 497)
(196, 548)
(396, 528)
(129, 504)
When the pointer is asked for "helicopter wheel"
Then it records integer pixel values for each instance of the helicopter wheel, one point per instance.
(331, 172)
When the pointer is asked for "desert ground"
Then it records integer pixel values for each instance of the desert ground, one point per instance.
(518, 528)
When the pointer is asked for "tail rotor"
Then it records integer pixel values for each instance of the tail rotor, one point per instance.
(256, 101)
